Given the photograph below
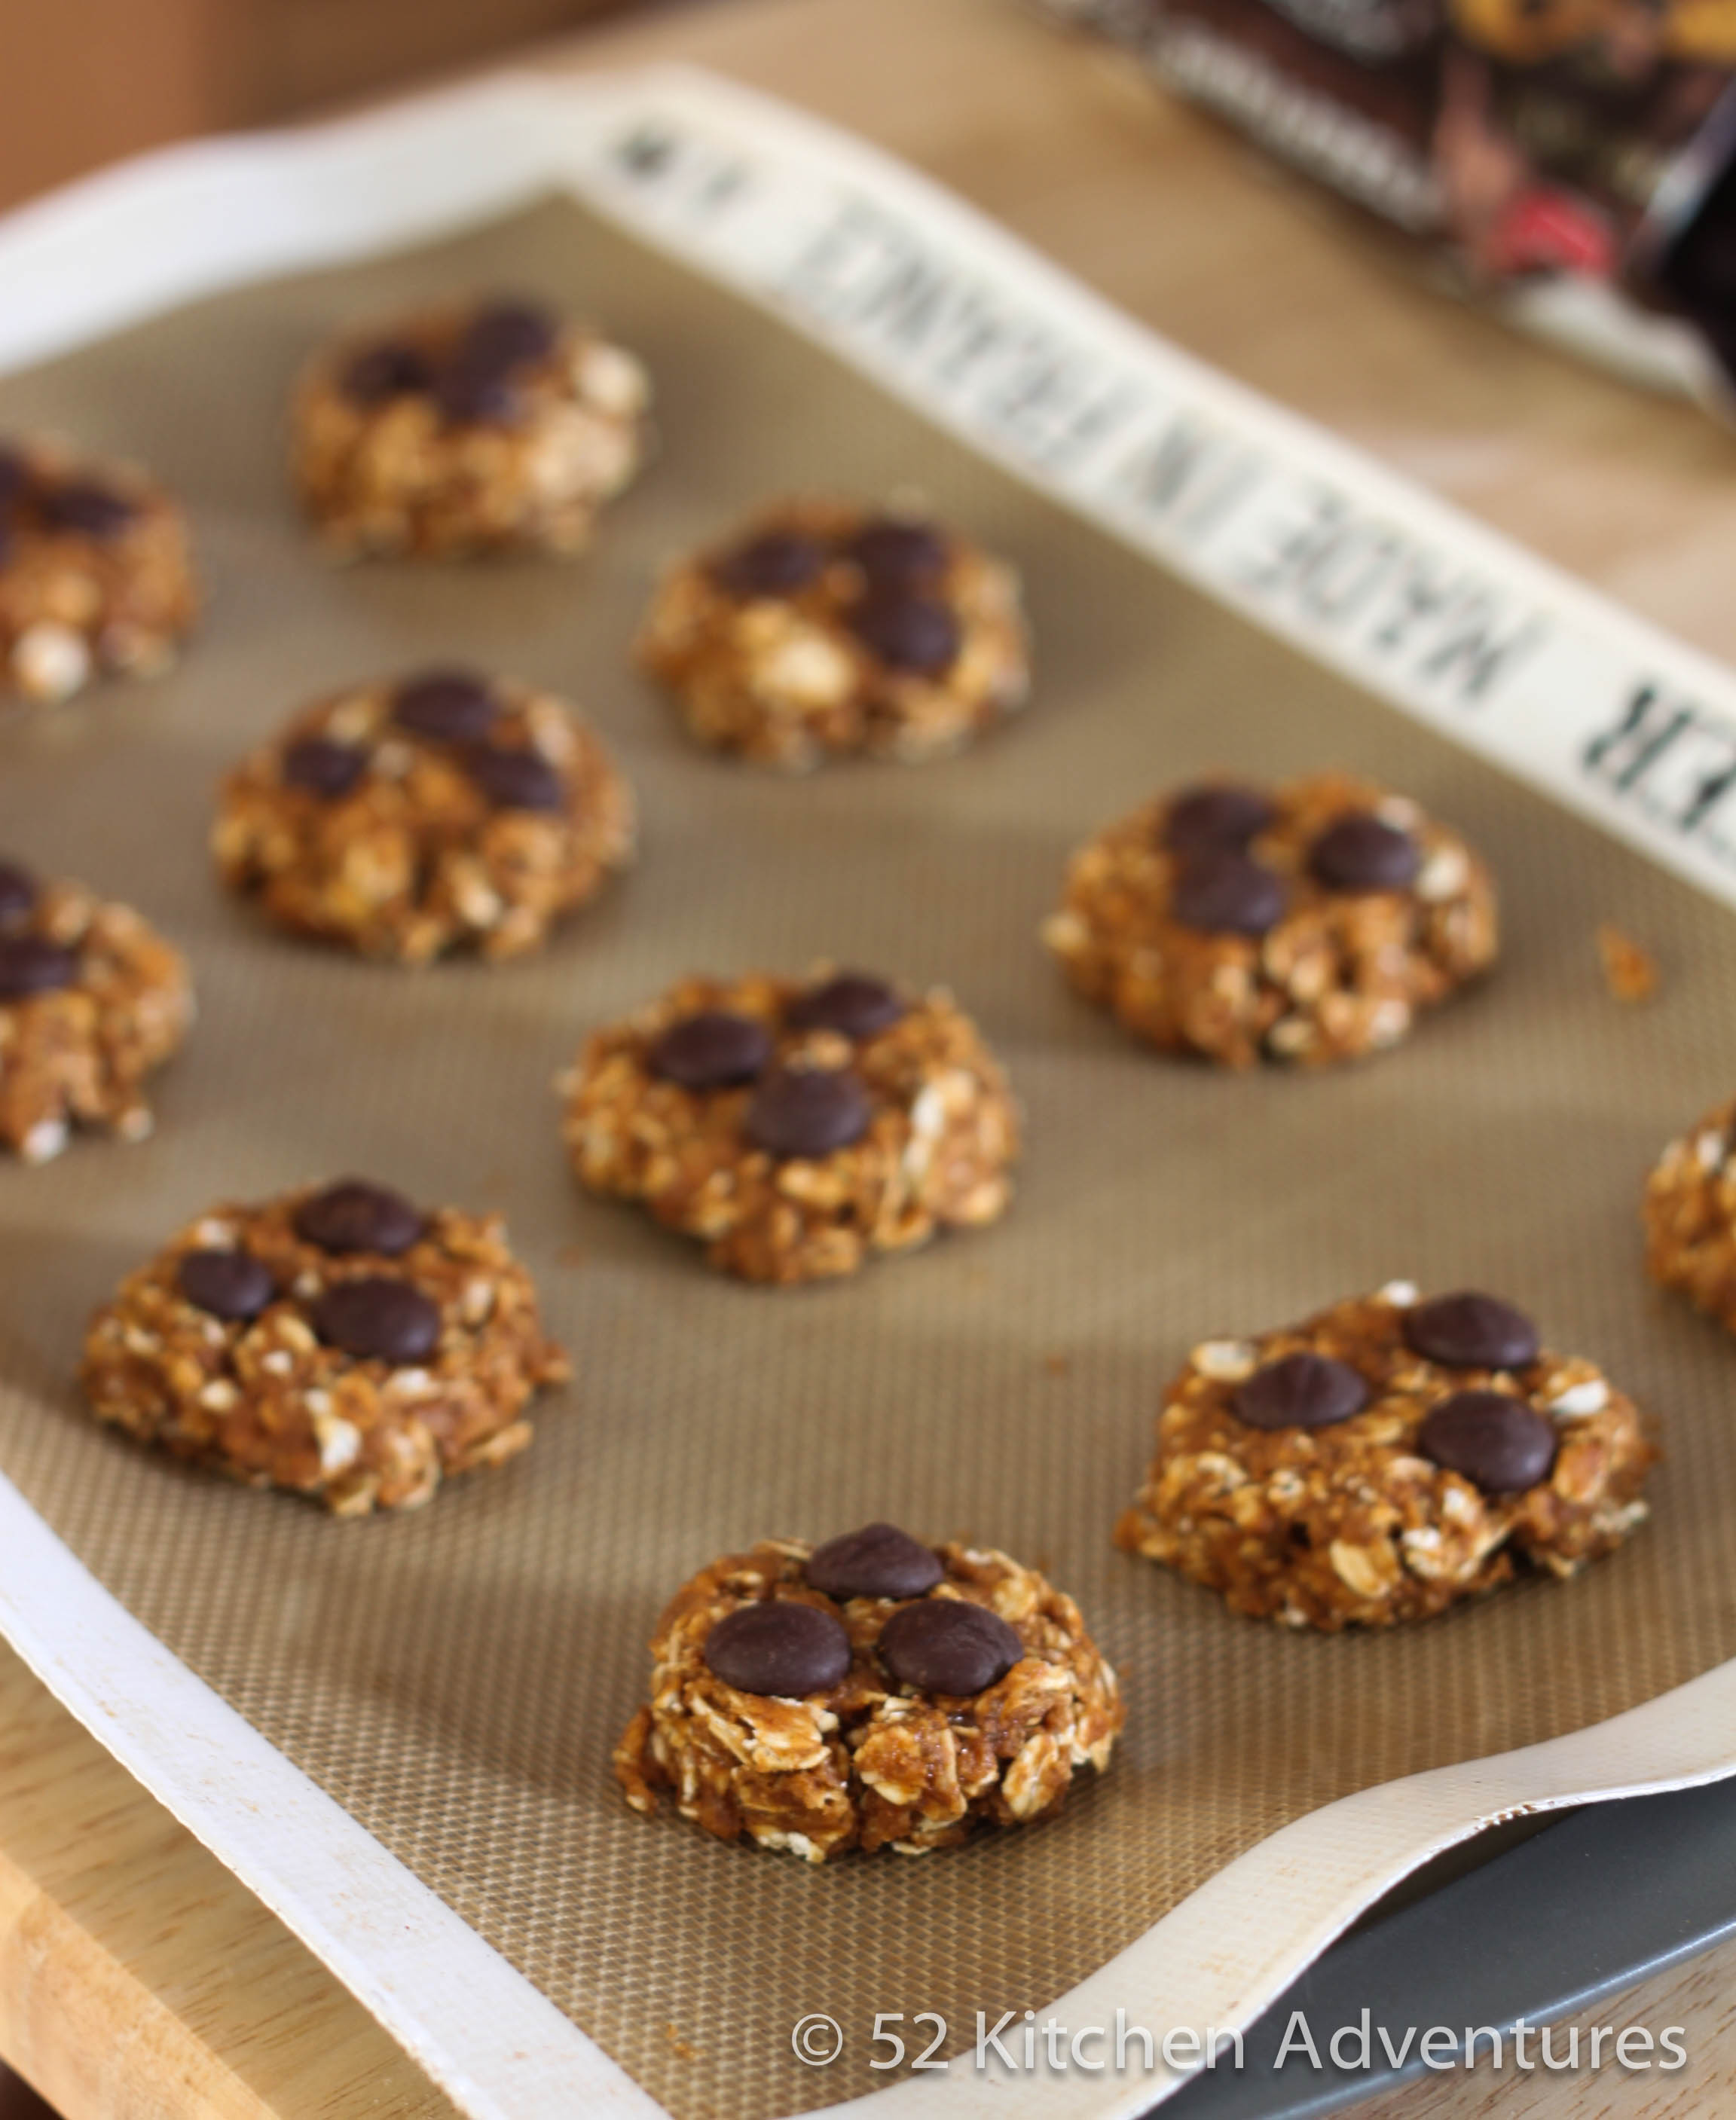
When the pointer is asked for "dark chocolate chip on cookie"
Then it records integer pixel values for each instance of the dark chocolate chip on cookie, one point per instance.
(805, 1112)
(356, 1215)
(779, 1647)
(878, 1561)
(947, 1645)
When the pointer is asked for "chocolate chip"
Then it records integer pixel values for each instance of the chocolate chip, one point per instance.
(390, 369)
(895, 553)
(353, 1215)
(376, 1319)
(325, 769)
(808, 1112)
(232, 1284)
(516, 780)
(1220, 892)
(908, 632)
(777, 563)
(1300, 1391)
(471, 393)
(878, 1561)
(779, 1647)
(86, 506)
(508, 335)
(855, 1004)
(1494, 1440)
(18, 891)
(715, 1049)
(448, 706)
(479, 379)
(1471, 1331)
(1218, 816)
(32, 965)
(947, 1645)
(1363, 852)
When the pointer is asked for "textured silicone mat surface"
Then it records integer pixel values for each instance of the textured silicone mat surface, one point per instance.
(456, 1678)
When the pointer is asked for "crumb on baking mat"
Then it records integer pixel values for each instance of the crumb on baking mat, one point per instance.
(1630, 972)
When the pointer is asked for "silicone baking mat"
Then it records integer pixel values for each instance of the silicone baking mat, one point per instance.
(454, 1679)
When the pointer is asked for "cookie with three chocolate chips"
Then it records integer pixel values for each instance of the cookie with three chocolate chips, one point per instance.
(93, 1001)
(822, 628)
(1311, 922)
(490, 425)
(796, 1128)
(1385, 1458)
(412, 817)
(1689, 1211)
(874, 1691)
(339, 1341)
(95, 573)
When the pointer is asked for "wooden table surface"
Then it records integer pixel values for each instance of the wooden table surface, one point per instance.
(139, 1980)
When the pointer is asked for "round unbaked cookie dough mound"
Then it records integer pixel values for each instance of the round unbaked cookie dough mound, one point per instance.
(337, 1342)
(1690, 1216)
(92, 1001)
(410, 818)
(1310, 923)
(823, 629)
(95, 574)
(471, 428)
(1381, 1461)
(796, 1128)
(872, 1693)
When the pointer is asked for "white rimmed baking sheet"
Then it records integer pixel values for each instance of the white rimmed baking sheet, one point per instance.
(452, 1683)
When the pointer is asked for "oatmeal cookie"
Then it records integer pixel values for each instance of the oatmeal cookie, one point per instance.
(92, 1000)
(1385, 1458)
(796, 1128)
(474, 427)
(1690, 1216)
(824, 628)
(437, 812)
(872, 1693)
(1309, 924)
(95, 575)
(337, 1342)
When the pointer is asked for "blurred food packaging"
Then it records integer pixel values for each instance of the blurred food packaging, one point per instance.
(1572, 160)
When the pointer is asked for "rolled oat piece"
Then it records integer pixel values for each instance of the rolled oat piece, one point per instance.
(92, 1001)
(796, 1128)
(873, 1693)
(1690, 1216)
(823, 629)
(1385, 1459)
(337, 1341)
(1311, 923)
(408, 818)
(473, 427)
(95, 572)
